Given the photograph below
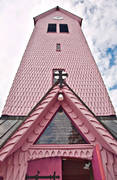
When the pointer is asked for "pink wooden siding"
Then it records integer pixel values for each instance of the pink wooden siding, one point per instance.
(34, 76)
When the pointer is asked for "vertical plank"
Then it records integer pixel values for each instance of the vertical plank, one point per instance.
(98, 169)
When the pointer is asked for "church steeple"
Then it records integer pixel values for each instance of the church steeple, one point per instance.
(53, 127)
(34, 76)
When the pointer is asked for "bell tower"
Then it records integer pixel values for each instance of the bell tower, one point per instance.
(57, 42)
(58, 118)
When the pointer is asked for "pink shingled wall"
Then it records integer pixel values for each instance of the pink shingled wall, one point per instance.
(34, 76)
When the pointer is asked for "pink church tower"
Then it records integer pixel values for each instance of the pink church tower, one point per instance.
(58, 121)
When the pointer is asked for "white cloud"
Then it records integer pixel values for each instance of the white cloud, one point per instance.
(110, 76)
(99, 27)
(113, 95)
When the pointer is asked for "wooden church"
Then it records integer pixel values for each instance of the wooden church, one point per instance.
(58, 121)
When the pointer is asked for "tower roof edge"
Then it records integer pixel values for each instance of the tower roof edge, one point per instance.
(57, 8)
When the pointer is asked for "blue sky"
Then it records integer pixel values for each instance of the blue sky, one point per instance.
(99, 27)
(112, 53)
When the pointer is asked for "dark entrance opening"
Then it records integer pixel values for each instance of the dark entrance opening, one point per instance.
(79, 169)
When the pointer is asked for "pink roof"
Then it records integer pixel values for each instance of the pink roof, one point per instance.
(34, 76)
(40, 117)
(77, 18)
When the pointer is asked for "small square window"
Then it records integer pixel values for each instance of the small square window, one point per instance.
(55, 74)
(63, 28)
(51, 28)
(58, 47)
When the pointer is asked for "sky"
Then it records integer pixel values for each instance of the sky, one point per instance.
(99, 27)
